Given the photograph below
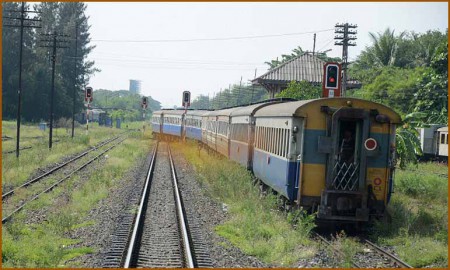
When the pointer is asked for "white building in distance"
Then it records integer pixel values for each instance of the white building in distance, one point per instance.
(135, 86)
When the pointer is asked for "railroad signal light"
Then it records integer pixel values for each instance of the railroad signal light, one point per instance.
(331, 83)
(186, 99)
(144, 102)
(89, 94)
(332, 76)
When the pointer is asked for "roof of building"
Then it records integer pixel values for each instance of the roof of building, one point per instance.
(304, 67)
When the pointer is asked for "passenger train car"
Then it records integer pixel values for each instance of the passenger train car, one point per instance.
(333, 156)
(434, 142)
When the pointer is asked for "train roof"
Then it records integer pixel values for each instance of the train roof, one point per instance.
(173, 112)
(302, 107)
(197, 112)
(224, 112)
(251, 109)
(443, 129)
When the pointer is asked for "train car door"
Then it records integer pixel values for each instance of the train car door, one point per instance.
(345, 195)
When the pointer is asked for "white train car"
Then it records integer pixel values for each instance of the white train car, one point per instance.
(442, 134)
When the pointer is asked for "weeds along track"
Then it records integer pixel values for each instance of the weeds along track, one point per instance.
(159, 234)
(59, 166)
(34, 188)
(380, 256)
(371, 255)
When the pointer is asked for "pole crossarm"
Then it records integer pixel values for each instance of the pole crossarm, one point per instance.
(344, 36)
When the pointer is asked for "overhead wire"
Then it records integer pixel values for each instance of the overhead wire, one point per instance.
(209, 39)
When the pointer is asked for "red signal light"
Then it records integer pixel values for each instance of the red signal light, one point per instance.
(331, 79)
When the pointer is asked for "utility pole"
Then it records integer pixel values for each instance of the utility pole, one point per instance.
(253, 86)
(314, 44)
(346, 34)
(75, 79)
(239, 92)
(22, 25)
(56, 43)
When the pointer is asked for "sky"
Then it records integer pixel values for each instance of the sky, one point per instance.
(205, 47)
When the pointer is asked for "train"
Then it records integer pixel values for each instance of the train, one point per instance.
(331, 156)
(434, 142)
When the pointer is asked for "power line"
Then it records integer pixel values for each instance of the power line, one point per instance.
(209, 39)
(180, 60)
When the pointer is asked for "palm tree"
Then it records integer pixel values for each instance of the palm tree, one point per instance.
(385, 47)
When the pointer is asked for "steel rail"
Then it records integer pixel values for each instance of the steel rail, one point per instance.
(183, 227)
(7, 218)
(9, 193)
(323, 239)
(138, 223)
(384, 252)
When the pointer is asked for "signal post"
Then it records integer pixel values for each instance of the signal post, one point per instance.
(186, 102)
(88, 98)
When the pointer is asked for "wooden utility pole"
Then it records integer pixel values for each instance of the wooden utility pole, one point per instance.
(56, 43)
(75, 79)
(22, 19)
(346, 34)
(253, 87)
(314, 44)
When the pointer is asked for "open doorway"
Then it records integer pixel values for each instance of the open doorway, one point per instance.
(346, 167)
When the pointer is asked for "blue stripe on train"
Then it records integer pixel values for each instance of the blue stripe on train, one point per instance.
(311, 144)
(172, 129)
(311, 147)
(279, 173)
(381, 159)
(194, 133)
(155, 127)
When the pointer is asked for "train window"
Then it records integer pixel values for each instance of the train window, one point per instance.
(275, 143)
(279, 142)
(272, 139)
(442, 138)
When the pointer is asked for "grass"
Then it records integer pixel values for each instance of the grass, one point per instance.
(347, 247)
(419, 213)
(17, 170)
(50, 243)
(255, 224)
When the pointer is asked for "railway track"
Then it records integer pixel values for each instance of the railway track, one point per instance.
(18, 206)
(58, 167)
(372, 256)
(159, 234)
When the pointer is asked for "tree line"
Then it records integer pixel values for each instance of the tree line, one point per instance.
(235, 95)
(62, 17)
(123, 104)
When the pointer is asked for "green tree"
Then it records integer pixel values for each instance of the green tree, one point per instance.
(36, 69)
(432, 94)
(385, 47)
(407, 139)
(392, 86)
(300, 90)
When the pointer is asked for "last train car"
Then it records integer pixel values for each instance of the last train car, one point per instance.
(333, 156)
(172, 123)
